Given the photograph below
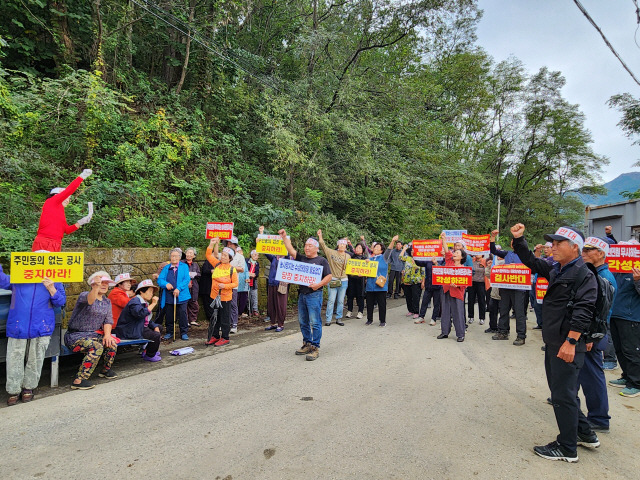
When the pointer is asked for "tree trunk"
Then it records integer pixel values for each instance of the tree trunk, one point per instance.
(192, 11)
(62, 35)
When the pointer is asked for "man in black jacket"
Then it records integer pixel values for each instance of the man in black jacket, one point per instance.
(563, 327)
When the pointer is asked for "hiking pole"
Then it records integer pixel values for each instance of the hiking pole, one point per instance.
(174, 319)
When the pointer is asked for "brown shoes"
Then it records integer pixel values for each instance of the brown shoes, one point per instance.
(313, 353)
(304, 349)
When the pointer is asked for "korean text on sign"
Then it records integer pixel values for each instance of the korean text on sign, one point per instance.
(300, 273)
(362, 268)
(541, 289)
(221, 230)
(271, 244)
(623, 258)
(515, 276)
(30, 267)
(476, 244)
(453, 236)
(427, 248)
(459, 276)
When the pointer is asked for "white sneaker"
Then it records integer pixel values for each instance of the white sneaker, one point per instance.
(470, 321)
(481, 322)
(233, 330)
(432, 322)
(348, 315)
(359, 315)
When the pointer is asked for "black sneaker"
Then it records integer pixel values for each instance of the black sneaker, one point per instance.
(589, 440)
(555, 451)
(383, 324)
(491, 330)
(83, 385)
(537, 327)
(368, 322)
(599, 428)
(441, 336)
(340, 322)
(500, 336)
(519, 341)
(109, 374)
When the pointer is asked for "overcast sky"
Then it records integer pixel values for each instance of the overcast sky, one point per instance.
(555, 34)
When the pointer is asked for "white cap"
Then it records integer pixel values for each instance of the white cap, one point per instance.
(102, 276)
(566, 233)
(233, 240)
(228, 251)
(145, 283)
(55, 191)
(121, 278)
(342, 241)
(597, 243)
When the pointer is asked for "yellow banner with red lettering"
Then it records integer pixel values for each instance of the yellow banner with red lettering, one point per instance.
(271, 244)
(32, 267)
(362, 268)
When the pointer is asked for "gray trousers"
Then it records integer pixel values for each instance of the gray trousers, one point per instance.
(253, 300)
(234, 309)
(19, 376)
(452, 308)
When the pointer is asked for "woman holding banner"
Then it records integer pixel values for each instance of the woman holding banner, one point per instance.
(377, 287)
(277, 293)
(355, 287)
(452, 295)
(338, 286)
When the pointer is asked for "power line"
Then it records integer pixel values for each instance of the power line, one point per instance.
(177, 23)
(606, 41)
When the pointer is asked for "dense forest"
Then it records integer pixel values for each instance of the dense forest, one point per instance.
(368, 117)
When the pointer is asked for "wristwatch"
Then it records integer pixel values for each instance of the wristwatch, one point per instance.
(572, 341)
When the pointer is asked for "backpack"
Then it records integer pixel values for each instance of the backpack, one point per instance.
(598, 327)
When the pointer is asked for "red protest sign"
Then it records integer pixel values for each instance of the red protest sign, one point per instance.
(426, 249)
(459, 276)
(623, 258)
(221, 230)
(542, 284)
(514, 276)
(476, 244)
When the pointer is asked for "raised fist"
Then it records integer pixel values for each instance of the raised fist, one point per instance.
(86, 173)
(517, 230)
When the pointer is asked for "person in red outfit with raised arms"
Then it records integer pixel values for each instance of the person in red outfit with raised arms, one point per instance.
(53, 221)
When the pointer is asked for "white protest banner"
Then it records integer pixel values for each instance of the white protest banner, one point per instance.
(299, 273)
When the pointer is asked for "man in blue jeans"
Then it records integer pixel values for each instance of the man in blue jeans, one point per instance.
(309, 297)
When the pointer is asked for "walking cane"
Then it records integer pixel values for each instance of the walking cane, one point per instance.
(174, 319)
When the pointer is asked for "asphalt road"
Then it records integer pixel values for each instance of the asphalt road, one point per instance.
(379, 403)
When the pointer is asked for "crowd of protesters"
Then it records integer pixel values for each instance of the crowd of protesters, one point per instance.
(227, 284)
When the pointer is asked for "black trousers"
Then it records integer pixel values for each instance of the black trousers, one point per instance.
(223, 321)
(477, 291)
(562, 378)
(394, 277)
(355, 289)
(154, 340)
(412, 297)
(494, 307)
(436, 295)
(626, 341)
(181, 318)
(509, 299)
(381, 299)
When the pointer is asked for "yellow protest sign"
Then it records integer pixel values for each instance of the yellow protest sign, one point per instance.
(31, 267)
(362, 268)
(271, 244)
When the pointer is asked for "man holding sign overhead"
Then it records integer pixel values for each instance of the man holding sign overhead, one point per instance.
(309, 296)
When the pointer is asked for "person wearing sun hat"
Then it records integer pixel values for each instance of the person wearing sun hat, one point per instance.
(591, 378)
(567, 311)
(120, 295)
(239, 263)
(89, 331)
(135, 319)
(53, 221)
(30, 324)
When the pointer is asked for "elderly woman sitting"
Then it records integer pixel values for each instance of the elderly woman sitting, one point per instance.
(135, 320)
(89, 331)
